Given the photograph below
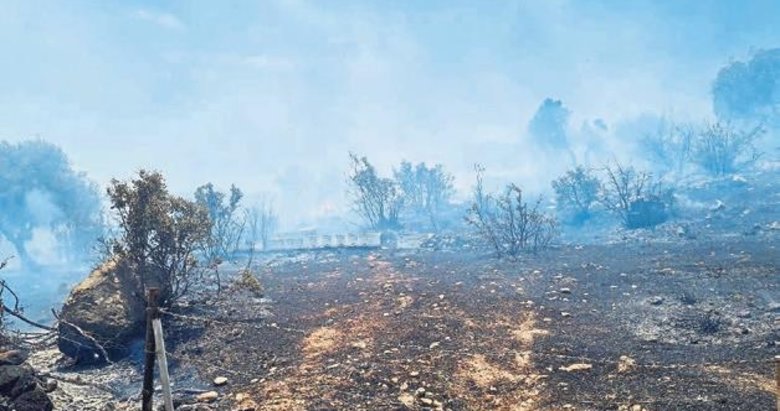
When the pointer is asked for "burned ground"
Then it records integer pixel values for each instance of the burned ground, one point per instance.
(683, 325)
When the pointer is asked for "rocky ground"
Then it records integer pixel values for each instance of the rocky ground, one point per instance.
(682, 317)
(686, 325)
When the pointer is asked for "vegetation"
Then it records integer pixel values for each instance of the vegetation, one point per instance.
(575, 193)
(548, 125)
(747, 91)
(39, 189)
(426, 190)
(159, 234)
(227, 223)
(507, 222)
(721, 149)
(261, 223)
(670, 147)
(635, 197)
(377, 200)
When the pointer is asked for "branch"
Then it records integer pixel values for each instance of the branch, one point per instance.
(26, 320)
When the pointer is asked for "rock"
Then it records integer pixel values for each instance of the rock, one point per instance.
(245, 403)
(626, 364)
(9, 375)
(34, 400)
(13, 357)
(51, 385)
(744, 314)
(209, 396)
(426, 401)
(406, 399)
(565, 290)
(21, 389)
(220, 381)
(655, 300)
(194, 407)
(414, 374)
(105, 310)
(774, 307)
(577, 367)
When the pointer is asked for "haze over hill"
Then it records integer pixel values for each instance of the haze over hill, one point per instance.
(271, 96)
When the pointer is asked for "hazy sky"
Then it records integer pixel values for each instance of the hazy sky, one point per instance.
(267, 94)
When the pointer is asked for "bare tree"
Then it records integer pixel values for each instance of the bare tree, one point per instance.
(576, 191)
(377, 200)
(227, 223)
(721, 149)
(507, 222)
(425, 189)
(635, 197)
(671, 146)
(262, 222)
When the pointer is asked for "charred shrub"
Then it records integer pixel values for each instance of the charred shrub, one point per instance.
(639, 200)
(670, 146)
(710, 323)
(721, 149)
(646, 212)
(575, 193)
(159, 235)
(508, 223)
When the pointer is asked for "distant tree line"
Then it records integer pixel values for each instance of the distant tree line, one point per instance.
(419, 190)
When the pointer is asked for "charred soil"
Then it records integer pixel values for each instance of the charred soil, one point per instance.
(687, 325)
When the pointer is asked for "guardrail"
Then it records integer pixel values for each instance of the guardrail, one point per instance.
(319, 241)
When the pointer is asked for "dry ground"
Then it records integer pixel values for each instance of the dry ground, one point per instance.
(684, 325)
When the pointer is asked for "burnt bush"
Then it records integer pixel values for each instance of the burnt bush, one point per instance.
(508, 223)
(639, 200)
(670, 146)
(159, 235)
(575, 193)
(710, 323)
(721, 149)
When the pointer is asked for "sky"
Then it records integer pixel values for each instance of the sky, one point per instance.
(272, 95)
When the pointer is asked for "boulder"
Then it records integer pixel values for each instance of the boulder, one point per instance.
(21, 390)
(101, 315)
(13, 357)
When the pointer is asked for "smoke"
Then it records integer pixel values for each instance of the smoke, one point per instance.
(272, 96)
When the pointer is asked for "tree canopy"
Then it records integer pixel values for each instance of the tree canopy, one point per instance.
(749, 90)
(39, 189)
(548, 126)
